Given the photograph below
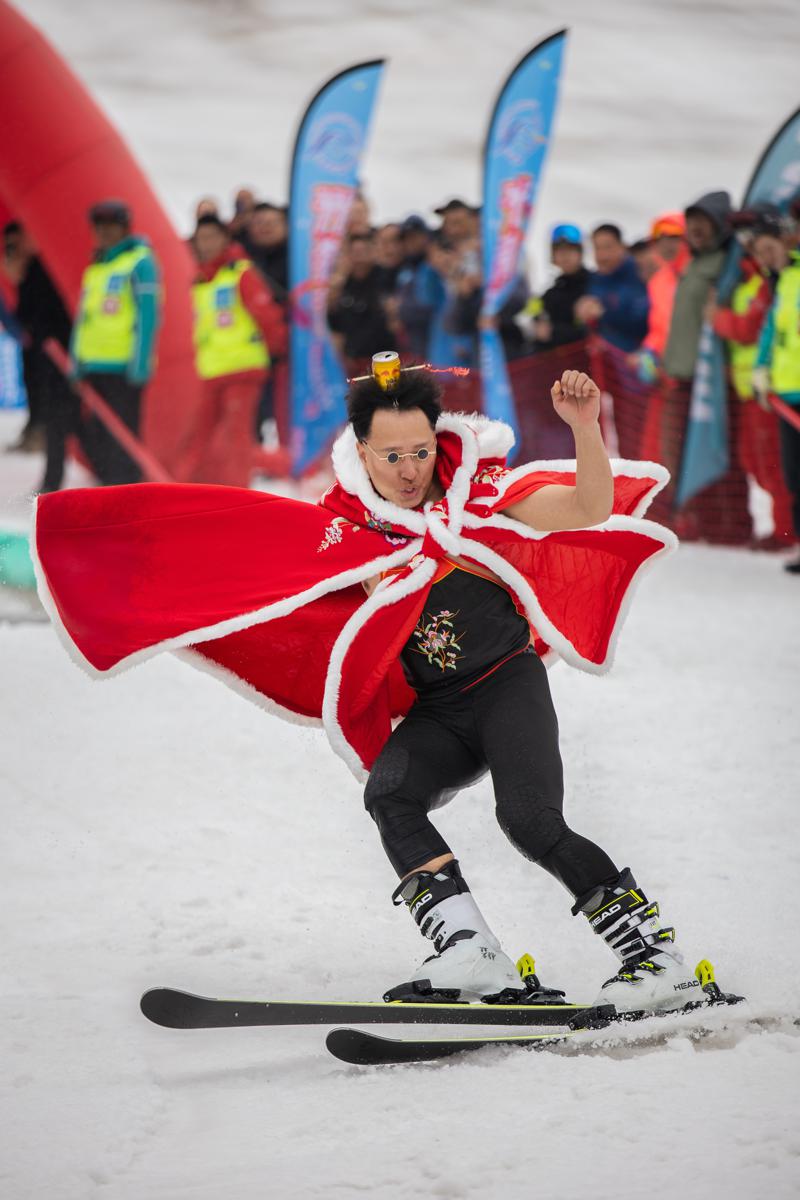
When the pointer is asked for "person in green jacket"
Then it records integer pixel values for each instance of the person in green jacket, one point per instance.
(777, 369)
(114, 337)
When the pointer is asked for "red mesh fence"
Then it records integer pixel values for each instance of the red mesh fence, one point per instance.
(643, 422)
(542, 432)
(650, 423)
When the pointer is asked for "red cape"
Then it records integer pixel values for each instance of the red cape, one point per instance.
(266, 591)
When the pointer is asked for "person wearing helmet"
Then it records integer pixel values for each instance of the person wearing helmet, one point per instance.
(554, 313)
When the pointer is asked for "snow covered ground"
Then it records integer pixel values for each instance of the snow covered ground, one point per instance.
(160, 830)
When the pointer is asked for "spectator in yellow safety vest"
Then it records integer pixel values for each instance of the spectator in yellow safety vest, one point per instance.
(113, 344)
(777, 370)
(758, 446)
(238, 326)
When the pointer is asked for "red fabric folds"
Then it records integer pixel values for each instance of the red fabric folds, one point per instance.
(267, 591)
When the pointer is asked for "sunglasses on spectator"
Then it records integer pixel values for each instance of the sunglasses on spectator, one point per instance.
(393, 458)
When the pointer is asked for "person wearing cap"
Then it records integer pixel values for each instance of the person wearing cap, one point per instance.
(114, 337)
(616, 303)
(668, 243)
(554, 313)
(238, 327)
(740, 324)
(777, 369)
(459, 222)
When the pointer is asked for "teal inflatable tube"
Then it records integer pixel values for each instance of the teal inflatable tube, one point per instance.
(16, 568)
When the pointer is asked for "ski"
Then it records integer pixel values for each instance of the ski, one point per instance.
(362, 1049)
(182, 1010)
(605, 1034)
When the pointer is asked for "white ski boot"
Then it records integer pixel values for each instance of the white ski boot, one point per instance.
(469, 963)
(653, 977)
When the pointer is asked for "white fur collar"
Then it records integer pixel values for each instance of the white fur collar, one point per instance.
(480, 438)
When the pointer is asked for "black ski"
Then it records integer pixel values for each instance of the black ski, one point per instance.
(182, 1010)
(364, 1049)
(361, 1048)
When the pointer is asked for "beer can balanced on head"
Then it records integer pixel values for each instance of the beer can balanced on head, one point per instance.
(386, 369)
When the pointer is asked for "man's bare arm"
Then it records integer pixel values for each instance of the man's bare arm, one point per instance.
(576, 399)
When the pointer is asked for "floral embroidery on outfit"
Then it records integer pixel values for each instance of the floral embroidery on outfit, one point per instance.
(490, 474)
(385, 528)
(438, 640)
(374, 522)
(333, 534)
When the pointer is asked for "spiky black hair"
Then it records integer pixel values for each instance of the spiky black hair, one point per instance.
(415, 389)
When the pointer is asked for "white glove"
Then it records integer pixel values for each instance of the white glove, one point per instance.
(761, 387)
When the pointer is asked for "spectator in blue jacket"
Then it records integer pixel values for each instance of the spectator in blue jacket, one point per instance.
(616, 303)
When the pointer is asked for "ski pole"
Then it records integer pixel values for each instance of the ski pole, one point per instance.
(151, 467)
(789, 414)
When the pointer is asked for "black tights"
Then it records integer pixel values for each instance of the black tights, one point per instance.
(506, 724)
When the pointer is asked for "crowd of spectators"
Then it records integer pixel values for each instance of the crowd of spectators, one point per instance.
(417, 286)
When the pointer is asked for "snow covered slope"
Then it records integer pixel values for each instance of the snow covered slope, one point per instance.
(158, 829)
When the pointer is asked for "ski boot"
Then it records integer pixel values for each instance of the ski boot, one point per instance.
(468, 964)
(653, 977)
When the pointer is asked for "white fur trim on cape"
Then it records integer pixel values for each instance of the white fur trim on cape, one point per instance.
(495, 438)
(619, 467)
(387, 592)
(196, 659)
(510, 576)
(480, 438)
(207, 633)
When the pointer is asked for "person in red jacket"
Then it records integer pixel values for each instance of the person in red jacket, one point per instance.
(668, 243)
(758, 440)
(238, 329)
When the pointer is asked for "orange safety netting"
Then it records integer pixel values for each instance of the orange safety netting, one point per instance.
(640, 421)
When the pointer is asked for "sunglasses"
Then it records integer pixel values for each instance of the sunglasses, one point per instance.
(393, 458)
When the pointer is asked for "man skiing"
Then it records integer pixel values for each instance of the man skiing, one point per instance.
(483, 702)
(474, 573)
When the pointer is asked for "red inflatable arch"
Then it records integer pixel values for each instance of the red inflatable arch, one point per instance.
(59, 154)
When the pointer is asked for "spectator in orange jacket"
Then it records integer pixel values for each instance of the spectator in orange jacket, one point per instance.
(668, 240)
(669, 249)
(238, 328)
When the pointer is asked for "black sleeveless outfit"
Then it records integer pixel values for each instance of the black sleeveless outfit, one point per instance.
(483, 703)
